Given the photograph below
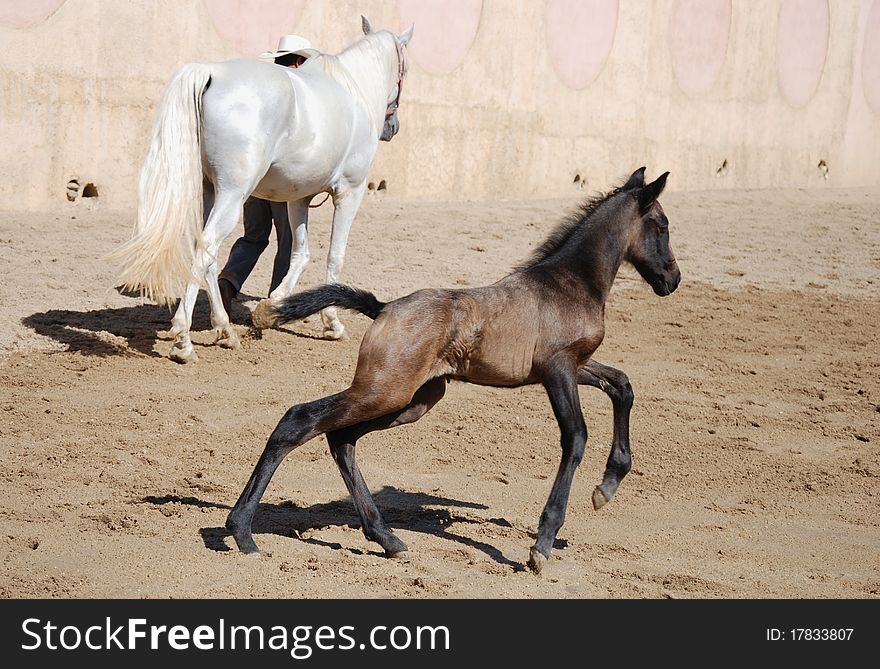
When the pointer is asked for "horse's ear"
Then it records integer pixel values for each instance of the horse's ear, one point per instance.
(404, 37)
(365, 25)
(636, 180)
(649, 194)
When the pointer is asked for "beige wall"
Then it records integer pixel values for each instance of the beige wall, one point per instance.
(503, 99)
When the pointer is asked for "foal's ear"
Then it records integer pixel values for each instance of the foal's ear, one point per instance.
(365, 25)
(651, 192)
(636, 180)
(404, 37)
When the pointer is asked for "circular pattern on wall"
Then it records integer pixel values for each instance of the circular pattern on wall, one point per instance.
(871, 59)
(699, 31)
(254, 26)
(23, 14)
(444, 31)
(580, 34)
(801, 48)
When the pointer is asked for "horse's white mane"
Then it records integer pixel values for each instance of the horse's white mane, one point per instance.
(367, 69)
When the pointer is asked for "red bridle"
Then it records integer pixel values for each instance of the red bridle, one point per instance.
(400, 74)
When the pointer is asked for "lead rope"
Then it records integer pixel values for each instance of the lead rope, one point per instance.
(315, 206)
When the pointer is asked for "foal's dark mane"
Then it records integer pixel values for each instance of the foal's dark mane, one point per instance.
(565, 230)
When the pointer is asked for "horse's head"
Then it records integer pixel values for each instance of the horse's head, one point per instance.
(392, 123)
(648, 249)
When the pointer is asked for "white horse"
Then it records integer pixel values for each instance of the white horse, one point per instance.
(230, 129)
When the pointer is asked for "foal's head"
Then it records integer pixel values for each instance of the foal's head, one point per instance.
(648, 249)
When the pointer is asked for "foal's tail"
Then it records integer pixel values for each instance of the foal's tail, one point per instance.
(312, 301)
(158, 260)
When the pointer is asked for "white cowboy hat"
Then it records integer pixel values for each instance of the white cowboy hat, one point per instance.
(291, 44)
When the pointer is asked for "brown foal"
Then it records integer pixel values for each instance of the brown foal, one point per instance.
(539, 324)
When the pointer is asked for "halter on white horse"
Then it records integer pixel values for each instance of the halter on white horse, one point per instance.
(230, 129)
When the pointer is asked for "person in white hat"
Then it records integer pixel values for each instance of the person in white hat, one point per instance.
(260, 215)
(292, 51)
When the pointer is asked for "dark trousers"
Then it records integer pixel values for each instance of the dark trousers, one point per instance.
(259, 217)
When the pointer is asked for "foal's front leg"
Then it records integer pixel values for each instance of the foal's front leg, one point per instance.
(560, 382)
(616, 385)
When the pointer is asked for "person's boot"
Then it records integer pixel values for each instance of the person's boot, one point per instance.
(227, 292)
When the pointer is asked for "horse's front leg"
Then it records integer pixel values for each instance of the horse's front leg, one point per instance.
(616, 385)
(560, 382)
(298, 213)
(345, 205)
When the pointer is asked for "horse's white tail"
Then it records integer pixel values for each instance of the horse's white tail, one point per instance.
(158, 260)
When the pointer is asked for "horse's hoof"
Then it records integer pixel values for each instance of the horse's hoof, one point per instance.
(333, 334)
(263, 316)
(182, 356)
(229, 343)
(230, 340)
(403, 556)
(599, 499)
(537, 560)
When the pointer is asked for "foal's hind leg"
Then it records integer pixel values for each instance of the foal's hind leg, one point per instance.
(299, 424)
(342, 444)
(616, 385)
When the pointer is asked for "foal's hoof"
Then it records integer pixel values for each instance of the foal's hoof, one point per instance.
(537, 560)
(599, 499)
(264, 316)
(241, 533)
(246, 544)
(394, 547)
(253, 554)
(183, 356)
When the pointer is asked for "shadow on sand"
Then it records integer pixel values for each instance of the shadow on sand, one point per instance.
(414, 511)
(140, 326)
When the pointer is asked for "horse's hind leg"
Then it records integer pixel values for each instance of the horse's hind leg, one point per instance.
(616, 385)
(182, 349)
(342, 445)
(222, 220)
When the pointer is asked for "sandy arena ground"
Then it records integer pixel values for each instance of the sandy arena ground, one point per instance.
(756, 428)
